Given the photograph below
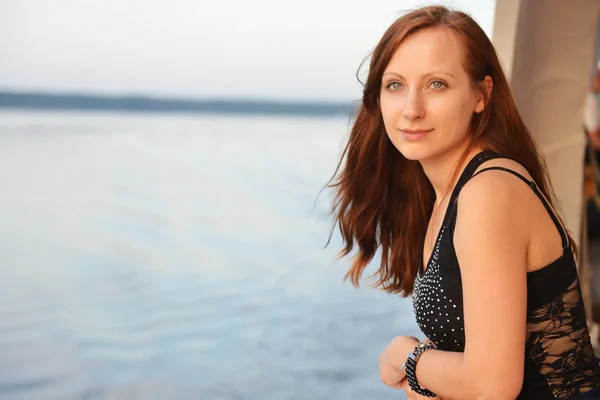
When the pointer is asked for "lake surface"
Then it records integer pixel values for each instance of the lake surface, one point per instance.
(164, 256)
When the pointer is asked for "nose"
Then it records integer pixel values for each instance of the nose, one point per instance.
(413, 108)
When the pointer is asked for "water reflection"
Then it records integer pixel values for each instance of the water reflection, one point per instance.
(179, 257)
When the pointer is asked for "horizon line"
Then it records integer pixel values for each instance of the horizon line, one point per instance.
(175, 98)
(143, 103)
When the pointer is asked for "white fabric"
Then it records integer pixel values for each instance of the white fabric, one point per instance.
(590, 112)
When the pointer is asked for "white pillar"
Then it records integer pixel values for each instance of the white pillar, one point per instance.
(547, 48)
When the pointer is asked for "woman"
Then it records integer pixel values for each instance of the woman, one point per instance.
(441, 175)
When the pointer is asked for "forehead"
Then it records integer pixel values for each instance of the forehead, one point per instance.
(432, 48)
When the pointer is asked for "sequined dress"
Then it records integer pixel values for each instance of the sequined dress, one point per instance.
(559, 359)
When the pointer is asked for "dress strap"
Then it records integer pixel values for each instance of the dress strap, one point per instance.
(471, 167)
(534, 186)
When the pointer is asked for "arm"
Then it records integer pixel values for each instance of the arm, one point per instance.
(491, 243)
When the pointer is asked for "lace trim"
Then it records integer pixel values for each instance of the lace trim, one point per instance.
(559, 344)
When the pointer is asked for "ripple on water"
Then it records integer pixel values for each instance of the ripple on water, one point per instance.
(172, 257)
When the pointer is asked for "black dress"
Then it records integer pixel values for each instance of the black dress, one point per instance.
(559, 359)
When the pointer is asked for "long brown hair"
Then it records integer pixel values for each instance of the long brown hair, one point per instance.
(383, 200)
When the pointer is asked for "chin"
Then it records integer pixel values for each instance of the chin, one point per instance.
(414, 152)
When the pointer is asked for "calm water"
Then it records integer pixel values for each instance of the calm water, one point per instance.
(179, 257)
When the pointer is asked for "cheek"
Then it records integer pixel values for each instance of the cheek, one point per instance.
(391, 109)
(455, 111)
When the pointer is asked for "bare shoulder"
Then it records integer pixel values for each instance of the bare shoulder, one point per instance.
(496, 189)
(496, 204)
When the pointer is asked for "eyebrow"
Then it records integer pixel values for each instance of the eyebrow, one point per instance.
(422, 76)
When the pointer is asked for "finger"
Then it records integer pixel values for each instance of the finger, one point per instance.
(390, 376)
(391, 380)
(400, 385)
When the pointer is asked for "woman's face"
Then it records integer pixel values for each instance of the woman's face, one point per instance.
(427, 99)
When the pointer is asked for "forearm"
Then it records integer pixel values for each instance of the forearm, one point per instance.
(443, 373)
(448, 375)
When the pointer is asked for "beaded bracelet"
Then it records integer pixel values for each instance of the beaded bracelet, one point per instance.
(411, 369)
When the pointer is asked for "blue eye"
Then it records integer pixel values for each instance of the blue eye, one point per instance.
(394, 86)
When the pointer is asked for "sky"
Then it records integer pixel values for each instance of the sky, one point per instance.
(252, 49)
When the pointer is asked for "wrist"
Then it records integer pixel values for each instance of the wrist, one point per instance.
(411, 368)
(421, 348)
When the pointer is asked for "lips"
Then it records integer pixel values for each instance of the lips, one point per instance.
(415, 134)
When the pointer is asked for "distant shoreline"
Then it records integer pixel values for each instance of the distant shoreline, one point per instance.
(91, 102)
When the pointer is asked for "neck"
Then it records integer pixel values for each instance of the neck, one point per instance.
(440, 170)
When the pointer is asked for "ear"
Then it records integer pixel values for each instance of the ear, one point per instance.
(486, 84)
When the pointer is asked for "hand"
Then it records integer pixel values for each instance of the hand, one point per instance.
(411, 395)
(392, 359)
